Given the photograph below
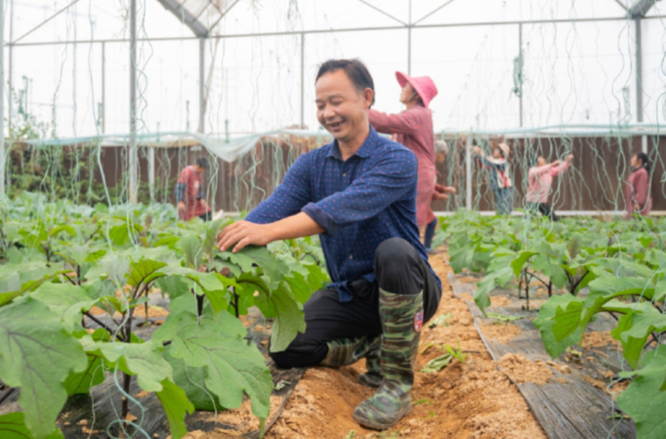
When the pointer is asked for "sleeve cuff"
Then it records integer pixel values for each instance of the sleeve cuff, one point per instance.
(320, 217)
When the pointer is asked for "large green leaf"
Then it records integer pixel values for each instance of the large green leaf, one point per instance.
(545, 322)
(193, 381)
(278, 304)
(176, 406)
(174, 286)
(66, 300)
(12, 426)
(16, 280)
(289, 322)
(567, 320)
(645, 398)
(37, 355)
(144, 271)
(461, 257)
(80, 382)
(233, 365)
(191, 247)
(144, 360)
(634, 328)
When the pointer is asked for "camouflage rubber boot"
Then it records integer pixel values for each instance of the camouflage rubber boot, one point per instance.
(346, 351)
(402, 317)
(373, 377)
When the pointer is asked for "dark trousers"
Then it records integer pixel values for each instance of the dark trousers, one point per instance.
(398, 269)
(206, 216)
(545, 210)
(430, 233)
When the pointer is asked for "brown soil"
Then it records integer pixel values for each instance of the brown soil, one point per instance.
(153, 311)
(466, 297)
(598, 339)
(471, 400)
(468, 279)
(503, 333)
(521, 370)
(500, 301)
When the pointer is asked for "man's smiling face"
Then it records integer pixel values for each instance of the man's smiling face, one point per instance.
(341, 108)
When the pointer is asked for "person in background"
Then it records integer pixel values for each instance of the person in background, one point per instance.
(358, 194)
(540, 181)
(637, 190)
(500, 180)
(413, 128)
(441, 193)
(189, 192)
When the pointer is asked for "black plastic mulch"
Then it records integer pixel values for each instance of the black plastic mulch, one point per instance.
(575, 409)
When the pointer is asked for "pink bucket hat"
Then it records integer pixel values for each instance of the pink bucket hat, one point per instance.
(423, 85)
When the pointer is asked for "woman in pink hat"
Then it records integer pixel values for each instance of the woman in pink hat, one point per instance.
(413, 129)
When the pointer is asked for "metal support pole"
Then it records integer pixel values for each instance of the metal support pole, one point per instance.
(103, 115)
(520, 55)
(302, 80)
(133, 153)
(468, 172)
(202, 84)
(2, 98)
(409, 50)
(409, 41)
(151, 172)
(10, 97)
(639, 79)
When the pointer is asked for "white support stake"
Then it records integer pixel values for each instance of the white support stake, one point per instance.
(468, 174)
(133, 153)
(2, 98)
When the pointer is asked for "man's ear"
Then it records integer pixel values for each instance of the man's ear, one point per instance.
(368, 97)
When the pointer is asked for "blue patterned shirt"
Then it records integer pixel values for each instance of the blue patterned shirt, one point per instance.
(359, 203)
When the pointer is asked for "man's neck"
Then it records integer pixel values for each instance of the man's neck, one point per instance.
(349, 147)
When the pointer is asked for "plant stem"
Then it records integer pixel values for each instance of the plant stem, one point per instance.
(69, 279)
(99, 322)
(233, 290)
(127, 380)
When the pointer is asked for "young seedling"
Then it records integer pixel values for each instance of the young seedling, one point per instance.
(502, 318)
(458, 354)
(440, 320)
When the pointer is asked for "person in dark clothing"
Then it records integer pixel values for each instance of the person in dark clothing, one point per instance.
(359, 194)
(189, 192)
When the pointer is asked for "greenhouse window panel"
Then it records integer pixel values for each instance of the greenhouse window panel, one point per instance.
(201, 16)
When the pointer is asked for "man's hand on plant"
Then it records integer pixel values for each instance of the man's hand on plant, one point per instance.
(243, 233)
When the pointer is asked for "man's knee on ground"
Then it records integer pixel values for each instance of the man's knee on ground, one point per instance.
(282, 359)
(393, 255)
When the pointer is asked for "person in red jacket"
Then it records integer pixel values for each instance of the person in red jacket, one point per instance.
(189, 192)
(440, 193)
(637, 190)
(414, 129)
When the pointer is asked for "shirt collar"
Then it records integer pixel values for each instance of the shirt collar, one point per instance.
(366, 149)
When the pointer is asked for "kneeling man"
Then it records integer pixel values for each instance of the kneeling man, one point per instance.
(359, 194)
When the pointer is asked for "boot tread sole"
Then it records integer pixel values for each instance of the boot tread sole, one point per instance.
(379, 426)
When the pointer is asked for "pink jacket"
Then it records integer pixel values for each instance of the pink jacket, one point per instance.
(541, 180)
(414, 130)
(637, 190)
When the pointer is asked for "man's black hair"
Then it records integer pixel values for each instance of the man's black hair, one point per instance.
(356, 71)
(202, 162)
